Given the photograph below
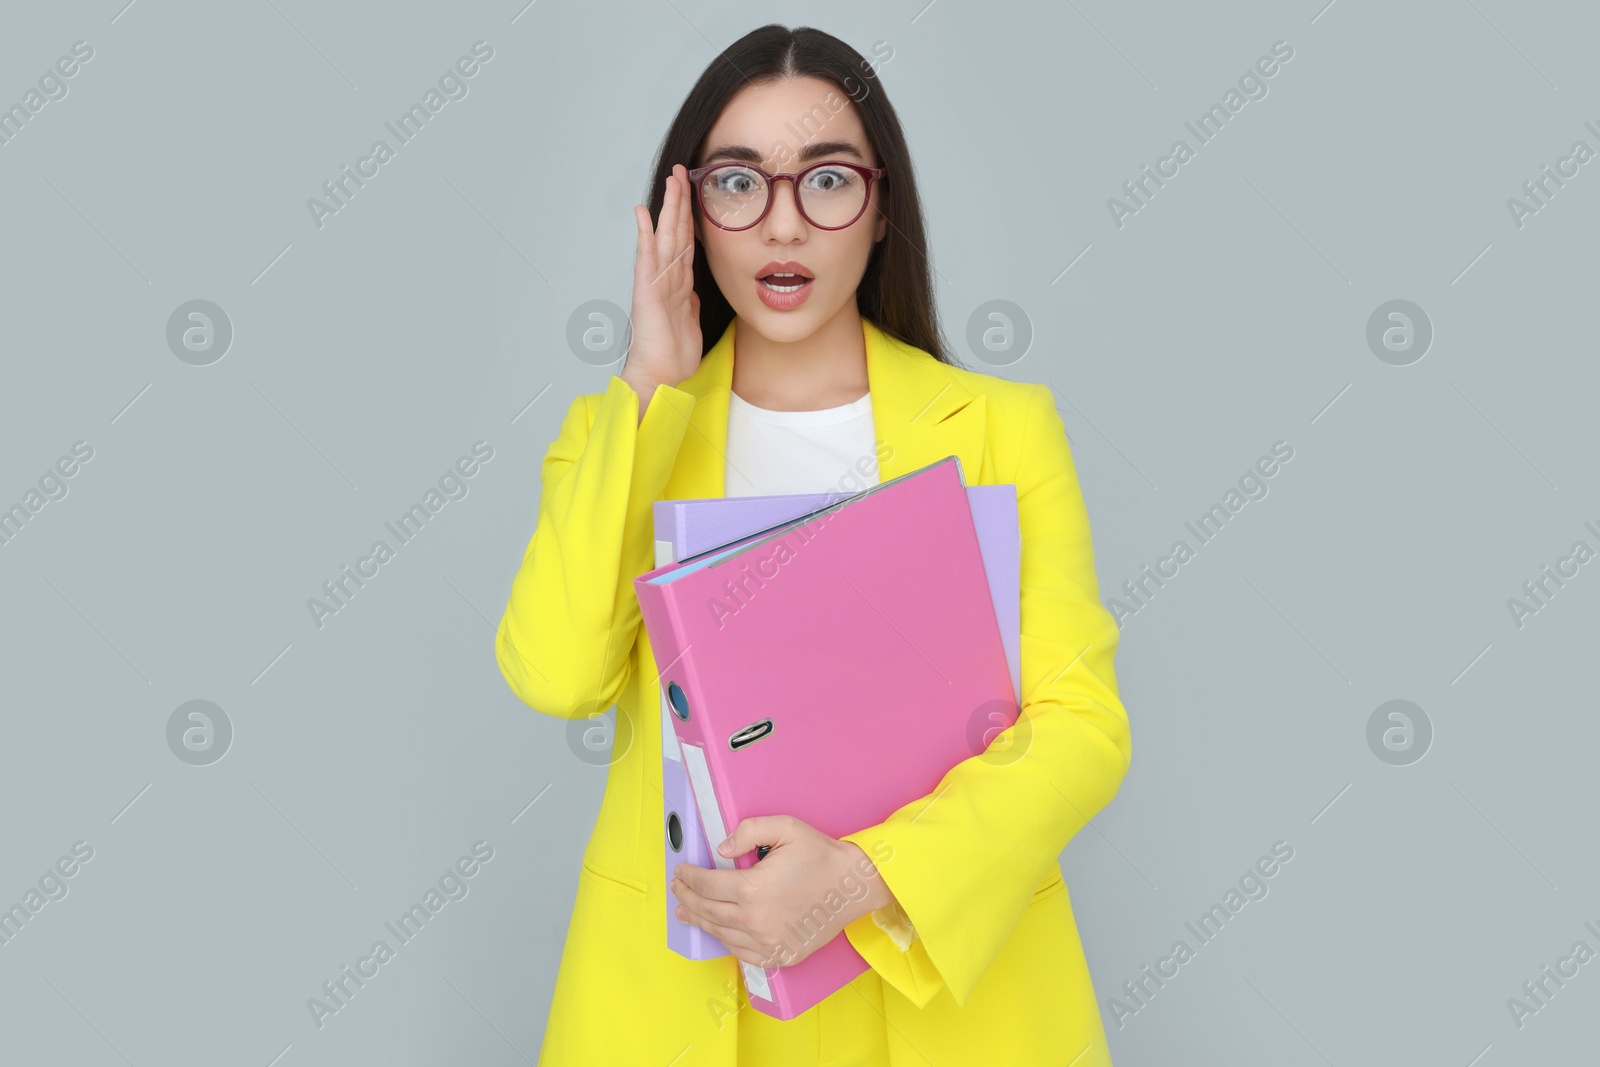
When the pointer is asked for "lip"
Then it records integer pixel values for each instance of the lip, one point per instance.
(788, 266)
(784, 301)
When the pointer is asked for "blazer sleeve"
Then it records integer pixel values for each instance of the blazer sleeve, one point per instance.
(964, 861)
(569, 624)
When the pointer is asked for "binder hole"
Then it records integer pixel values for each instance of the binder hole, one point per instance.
(675, 832)
(679, 702)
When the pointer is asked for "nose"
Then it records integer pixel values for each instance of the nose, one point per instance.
(784, 221)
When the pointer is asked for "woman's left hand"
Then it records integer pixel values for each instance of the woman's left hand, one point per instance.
(807, 889)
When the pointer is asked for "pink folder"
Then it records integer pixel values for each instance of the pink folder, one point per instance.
(833, 669)
(686, 528)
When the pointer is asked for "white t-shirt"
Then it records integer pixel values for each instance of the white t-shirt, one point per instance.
(775, 452)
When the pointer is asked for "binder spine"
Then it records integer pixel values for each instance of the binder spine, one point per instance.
(661, 610)
(664, 626)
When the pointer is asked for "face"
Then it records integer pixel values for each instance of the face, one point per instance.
(763, 124)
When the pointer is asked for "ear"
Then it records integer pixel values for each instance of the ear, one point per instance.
(882, 228)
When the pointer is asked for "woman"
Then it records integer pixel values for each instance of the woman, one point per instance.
(824, 359)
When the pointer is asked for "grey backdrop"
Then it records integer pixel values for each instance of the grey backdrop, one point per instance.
(1431, 477)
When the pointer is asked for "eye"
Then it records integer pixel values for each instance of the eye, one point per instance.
(735, 180)
(830, 179)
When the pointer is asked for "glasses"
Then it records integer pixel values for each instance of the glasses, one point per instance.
(830, 195)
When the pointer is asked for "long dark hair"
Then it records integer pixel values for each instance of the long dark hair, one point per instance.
(896, 292)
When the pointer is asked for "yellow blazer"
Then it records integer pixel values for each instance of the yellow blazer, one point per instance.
(994, 972)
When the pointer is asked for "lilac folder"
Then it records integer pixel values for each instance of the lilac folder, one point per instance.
(689, 527)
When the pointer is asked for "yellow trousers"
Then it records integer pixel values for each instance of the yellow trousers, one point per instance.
(845, 1030)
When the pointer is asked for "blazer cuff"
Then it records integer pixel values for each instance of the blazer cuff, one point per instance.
(909, 971)
(893, 920)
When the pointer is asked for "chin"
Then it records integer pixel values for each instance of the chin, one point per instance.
(781, 325)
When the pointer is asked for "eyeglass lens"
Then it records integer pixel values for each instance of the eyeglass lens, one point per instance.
(736, 196)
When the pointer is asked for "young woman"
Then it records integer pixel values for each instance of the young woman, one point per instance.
(796, 350)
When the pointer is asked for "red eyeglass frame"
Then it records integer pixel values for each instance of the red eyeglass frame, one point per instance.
(870, 174)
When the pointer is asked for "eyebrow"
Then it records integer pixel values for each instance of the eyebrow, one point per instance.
(808, 153)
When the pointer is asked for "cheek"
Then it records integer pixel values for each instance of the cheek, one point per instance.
(851, 262)
(713, 249)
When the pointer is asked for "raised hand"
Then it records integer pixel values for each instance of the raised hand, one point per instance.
(666, 344)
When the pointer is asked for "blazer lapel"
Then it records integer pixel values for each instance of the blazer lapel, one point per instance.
(920, 414)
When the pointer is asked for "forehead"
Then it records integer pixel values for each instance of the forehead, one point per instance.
(779, 120)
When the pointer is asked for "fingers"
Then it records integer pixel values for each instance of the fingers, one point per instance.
(720, 912)
(682, 225)
(737, 941)
(667, 224)
(644, 249)
(754, 831)
(686, 221)
(741, 945)
(664, 252)
(750, 952)
(720, 886)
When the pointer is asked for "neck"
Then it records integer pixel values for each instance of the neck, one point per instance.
(823, 370)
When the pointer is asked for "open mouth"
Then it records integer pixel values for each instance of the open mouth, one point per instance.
(784, 283)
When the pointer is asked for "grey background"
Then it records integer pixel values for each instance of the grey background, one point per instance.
(368, 355)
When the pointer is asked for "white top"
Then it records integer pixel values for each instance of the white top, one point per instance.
(775, 452)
